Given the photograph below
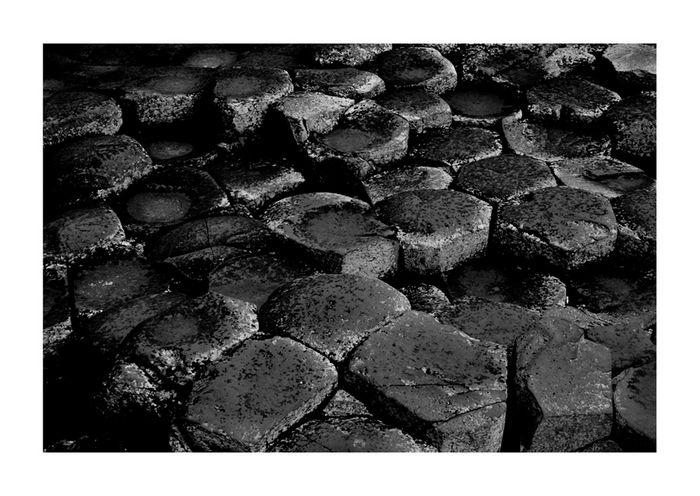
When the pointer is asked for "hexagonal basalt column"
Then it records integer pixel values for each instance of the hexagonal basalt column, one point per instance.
(632, 124)
(353, 55)
(635, 407)
(337, 232)
(417, 67)
(421, 109)
(409, 178)
(77, 231)
(606, 176)
(634, 65)
(305, 113)
(456, 146)
(346, 83)
(636, 219)
(331, 313)
(559, 227)
(479, 107)
(434, 381)
(73, 114)
(438, 229)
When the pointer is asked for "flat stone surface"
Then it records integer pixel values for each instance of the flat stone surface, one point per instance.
(197, 265)
(632, 124)
(630, 344)
(569, 100)
(331, 313)
(558, 227)
(343, 404)
(243, 95)
(636, 218)
(211, 58)
(417, 67)
(479, 107)
(253, 278)
(251, 398)
(456, 146)
(434, 381)
(257, 182)
(348, 436)
(492, 281)
(604, 446)
(570, 58)
(339, 233)
(563, 391)
(421, 109)
(425, 297)
(345, 82)
(634, 65)
(502, 178)
(350, 54)
(635, 407)
(81, 229)
(95, 168)
(606, 176)
(410, 178)
(487, 320)
(368, 136)
(552, 143)
(304, 113)
(163, 151)
(438, 229)
(73, 114)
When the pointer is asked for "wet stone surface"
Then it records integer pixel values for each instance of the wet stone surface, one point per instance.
(480, 107)
(606, 176)
(417, 67)
(345, 82)
(74, 114)
(456, 146)
(421, 109)
(408, 178)
(310, 112)
(81, 229)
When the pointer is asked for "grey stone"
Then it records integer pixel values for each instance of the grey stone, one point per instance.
(350, 54)
(369, 136)
(211, 58)
(456, 146)
(79, 230)
(417, 67)
(635, 408)
(251, 398)
(386, 184)
(287, 57)
(632, 124)
(346, 82)
(606, 176)
(568, 59)
(243, 95)
(636, 220)
(73, 114)
(57, 327)
(604, 446)
(164, 151)
(502, 178)
(479, 107)
(438, 229)
(425, 297)
(343, 404)
(629, 343)
(559, 227)
(304, 113)
(197, 265)
(331, 313)
(434, 381)
(337, 232)
(421, 109)
(634, 65)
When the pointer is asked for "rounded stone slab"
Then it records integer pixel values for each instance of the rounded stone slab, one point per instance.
(634, 65)
(169, 152)
(434, 381)
(96, 168)
(164, 151)
(559, 227)
(603, 175)
(352, 55)
(256, 183)
(552, 143)
(224, 230)
(514, 66)
(81, 229)
(417, 67)
(456, 146)
(478, 107)
(629, 343)
(194, 267)
(438, 229)
(386, 184)
(636, 219)
(254, 278)
(368, 136)
(263, 389)
(339, 233)
(563, 393)
(304, 113)
(211, 58)
(346, 82)
(73, 114)
(569, 100)
(164, 96)
(425, 297)
(242, 96)
(179, 343)
(502, 178)
(635, 407)
(421, 109)
(632, 124)
(487, 320)
(570, 58)
(349, 435)
(331, 313)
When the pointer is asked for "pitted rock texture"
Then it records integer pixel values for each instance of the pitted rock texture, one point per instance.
(635, 407)
(409, 178)
(342, 404)
(636, 219)
(345, 82)
(287, 57)
(632, 124)
(604, 175)
(164, 151)
(504, 177)
(196, 266)
(310, 112)
(629, 343)
(169, 152)
(211, 58)
(559, 227)
(251, 398)
(480, 107)
(369, 136)
(417, 67)
(456, 146)
(73, 114)
(81, 229)
(634, 66)
(352, 55)
(438, 229)
(338, 233)
(425, 297)
(331, 313)
(569, 100)
(434, 381)
(243, 95)
(421, 109)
